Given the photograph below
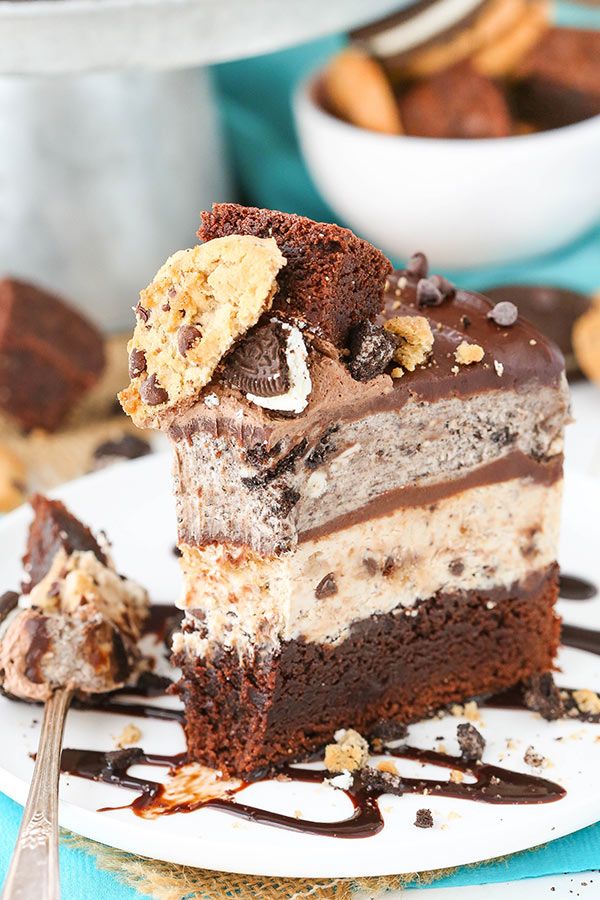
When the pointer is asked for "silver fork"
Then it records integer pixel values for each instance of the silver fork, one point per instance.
(33, 872)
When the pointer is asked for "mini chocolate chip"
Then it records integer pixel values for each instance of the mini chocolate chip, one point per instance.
(152, 393)
(371, 350)
(418, 265)
(448, 290)
(504, 313)
(456, 567)
(428, 294)
(137, 363)
(8, 601)
(187, 336)
(370, 565)
(258, 364)
(424, 818)
(470, 741)
(176, 551)
(172, 292)
(327, 587)
(142, 312)
(465, 322)
(389, 566)
(166, 307)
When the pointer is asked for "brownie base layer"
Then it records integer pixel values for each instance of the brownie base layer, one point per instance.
(402, 666)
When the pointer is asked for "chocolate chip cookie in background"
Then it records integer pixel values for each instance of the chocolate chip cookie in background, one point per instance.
(556, 312)
(586, 341)
(476, 69)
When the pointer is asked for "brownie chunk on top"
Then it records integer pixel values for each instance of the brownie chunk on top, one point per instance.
(49, 355)
(54, 528)
(333, 279)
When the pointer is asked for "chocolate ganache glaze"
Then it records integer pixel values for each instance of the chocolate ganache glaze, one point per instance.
(519, 352)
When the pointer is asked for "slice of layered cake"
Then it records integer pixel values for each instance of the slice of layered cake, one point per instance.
(368, 479)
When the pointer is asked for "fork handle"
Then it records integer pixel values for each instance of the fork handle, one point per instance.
(33, 872)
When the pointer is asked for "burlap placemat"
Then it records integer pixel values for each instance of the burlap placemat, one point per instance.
(168, 881)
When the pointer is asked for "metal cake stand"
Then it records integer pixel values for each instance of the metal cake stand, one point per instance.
(109, 139)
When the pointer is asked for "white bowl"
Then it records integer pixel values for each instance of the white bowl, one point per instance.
(464, 202)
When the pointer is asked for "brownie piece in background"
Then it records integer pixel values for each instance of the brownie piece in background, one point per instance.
(49, 355)
(456, 103)
(329, 277)
(559, 82)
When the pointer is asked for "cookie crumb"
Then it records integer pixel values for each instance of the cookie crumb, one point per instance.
(350, 751)
(129, 737)
(386, 765)
(533, 758)
(456, 776)
(416, 340)
(424, 818)
(587, 701)
(466, 354)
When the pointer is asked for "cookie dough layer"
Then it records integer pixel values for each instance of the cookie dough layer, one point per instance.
(481, 539)
(401, 665)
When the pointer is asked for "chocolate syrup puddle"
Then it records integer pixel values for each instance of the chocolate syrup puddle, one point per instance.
(571, 587)
(492, 784)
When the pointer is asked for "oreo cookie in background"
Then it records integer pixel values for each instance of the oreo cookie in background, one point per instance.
(553, 310)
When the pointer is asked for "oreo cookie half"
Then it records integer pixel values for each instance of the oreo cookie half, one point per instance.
(258, 365)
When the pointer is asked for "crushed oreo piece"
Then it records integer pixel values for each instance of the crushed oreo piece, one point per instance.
(258, 365)
(371, 350)
(418, 266)
(540, 694)
(470, 741)
(428, 293)
(370, 780)
(285, 464)
(324, 448)
(129, 446)
(152, 392)
(424, 818)
(327, 587)
(287, 500)
(187, 336)
(504, 313)
(137, 363)
(388, 730)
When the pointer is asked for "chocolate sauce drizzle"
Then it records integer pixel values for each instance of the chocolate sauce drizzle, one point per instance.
(571, 587)
(491, 784)
(581, 638)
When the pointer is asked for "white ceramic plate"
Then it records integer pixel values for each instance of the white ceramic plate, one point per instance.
(132, 501)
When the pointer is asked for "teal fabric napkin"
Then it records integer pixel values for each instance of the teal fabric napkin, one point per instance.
(254, 99)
